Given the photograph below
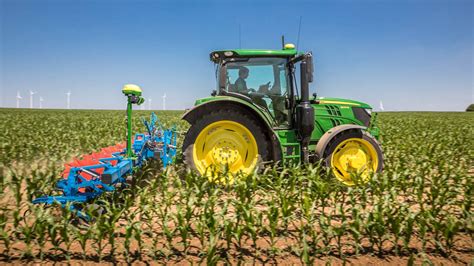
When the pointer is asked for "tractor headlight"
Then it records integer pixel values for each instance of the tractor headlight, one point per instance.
(363, 115)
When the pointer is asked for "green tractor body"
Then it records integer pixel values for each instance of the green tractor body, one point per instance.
(261, 112)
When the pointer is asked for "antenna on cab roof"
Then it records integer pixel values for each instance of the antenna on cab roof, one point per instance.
(299, 31)
(282, 41)
(240, 37)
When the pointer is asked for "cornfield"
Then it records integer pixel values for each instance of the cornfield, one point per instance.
(419, 210)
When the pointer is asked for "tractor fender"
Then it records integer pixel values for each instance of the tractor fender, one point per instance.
(330, 134)
(200, 110)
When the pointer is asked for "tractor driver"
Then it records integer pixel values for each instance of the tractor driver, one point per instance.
(240, 84)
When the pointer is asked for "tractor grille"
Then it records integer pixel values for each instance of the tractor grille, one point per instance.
(333, 110)
(336, 122)
(362, 115)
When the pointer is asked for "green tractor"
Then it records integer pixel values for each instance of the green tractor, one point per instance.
(258, 116)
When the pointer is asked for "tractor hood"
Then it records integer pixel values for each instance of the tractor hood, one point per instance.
(339, 101)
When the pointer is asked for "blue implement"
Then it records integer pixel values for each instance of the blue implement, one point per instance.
(86, 183)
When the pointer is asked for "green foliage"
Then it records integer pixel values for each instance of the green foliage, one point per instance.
(470, 108)
(420, 204)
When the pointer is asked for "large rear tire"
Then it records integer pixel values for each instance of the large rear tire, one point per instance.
(225, 143)
(353, 156)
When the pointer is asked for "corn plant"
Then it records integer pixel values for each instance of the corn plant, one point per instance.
(5, 234)
(421, 203)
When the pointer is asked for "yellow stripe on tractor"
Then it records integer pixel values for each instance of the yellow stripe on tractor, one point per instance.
(336, 102)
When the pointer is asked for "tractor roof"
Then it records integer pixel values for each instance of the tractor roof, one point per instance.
(288, 51)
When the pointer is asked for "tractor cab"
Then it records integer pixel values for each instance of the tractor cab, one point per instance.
(264, 78)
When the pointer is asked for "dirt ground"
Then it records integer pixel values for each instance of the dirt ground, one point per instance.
(462, 254)
(365, 259)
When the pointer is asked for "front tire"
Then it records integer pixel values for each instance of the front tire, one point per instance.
(353, 156)
(225, 143)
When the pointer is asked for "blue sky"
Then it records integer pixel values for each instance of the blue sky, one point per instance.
(412, 55)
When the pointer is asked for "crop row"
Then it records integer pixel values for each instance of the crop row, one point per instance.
(421, 204)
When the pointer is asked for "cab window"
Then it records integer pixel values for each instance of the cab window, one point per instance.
(265, 81)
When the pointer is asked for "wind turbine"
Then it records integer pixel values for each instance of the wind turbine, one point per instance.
(381, 106)
(149, 104)
(68, 100)
(164, 101)
(41, 102)
(18, 98)
(31, 98)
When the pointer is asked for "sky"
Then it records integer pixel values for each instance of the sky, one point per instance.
(412, 55)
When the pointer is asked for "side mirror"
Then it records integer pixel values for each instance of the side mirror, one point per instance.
(287, 103)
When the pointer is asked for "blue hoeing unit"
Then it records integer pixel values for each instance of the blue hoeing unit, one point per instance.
(157, 143)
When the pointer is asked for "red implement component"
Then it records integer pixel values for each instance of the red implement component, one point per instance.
(93, 158)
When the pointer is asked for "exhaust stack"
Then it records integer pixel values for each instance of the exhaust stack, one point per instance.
(304, 110)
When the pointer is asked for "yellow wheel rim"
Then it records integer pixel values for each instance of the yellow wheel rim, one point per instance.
(225, 148)
(354, 159)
